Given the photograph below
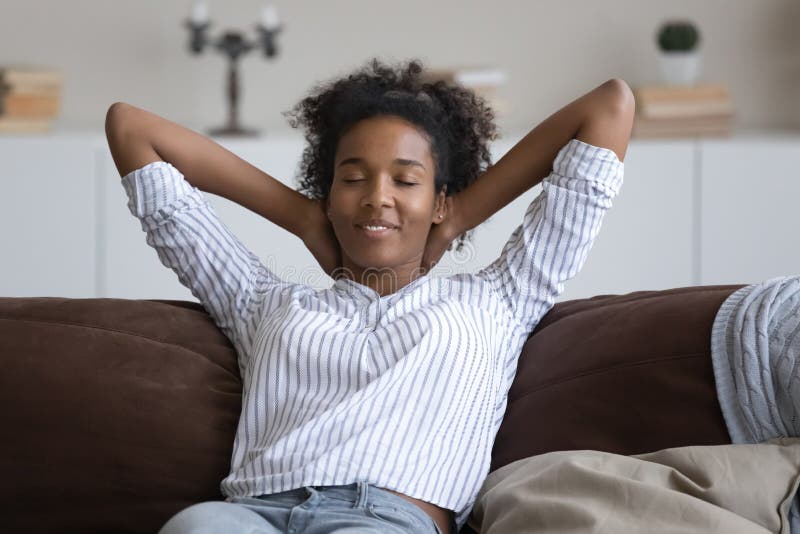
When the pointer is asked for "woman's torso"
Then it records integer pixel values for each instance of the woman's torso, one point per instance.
(342, 387)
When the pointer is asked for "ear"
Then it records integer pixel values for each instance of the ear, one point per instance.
(440, 206)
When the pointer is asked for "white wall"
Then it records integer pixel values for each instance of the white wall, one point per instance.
(553, 51)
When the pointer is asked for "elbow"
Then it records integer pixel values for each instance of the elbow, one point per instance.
(117, 116)
(620, 105)
(610, 120)
(621, 98)
(112, 115)
(114, 128)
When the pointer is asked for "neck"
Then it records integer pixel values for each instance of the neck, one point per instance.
(384, 280)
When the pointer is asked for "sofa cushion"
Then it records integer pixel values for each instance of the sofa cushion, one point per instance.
(702, 488)
(116, 413)
(626, 374)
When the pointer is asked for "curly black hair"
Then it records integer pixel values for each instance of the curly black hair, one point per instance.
(457, 122)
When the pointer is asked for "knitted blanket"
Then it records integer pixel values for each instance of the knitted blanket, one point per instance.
(755, 349)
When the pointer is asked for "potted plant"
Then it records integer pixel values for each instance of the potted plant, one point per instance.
(680, 59)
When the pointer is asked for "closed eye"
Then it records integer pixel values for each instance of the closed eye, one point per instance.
(398, 181)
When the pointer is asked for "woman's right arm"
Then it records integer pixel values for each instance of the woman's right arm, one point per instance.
(137, 137)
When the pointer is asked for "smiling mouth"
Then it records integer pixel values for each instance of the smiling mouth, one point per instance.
(375, 232)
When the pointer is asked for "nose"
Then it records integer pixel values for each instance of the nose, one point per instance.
(378, 193)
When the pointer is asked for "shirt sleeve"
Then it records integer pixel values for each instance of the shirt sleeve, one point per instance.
(557, 231)
(229, 280)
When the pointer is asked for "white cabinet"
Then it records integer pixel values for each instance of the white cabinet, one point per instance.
(48, 217)
(689, 213)
(750, 200)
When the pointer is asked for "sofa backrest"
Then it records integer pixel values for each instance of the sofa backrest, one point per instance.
(123, 412)
(116, 413)
(627, 374)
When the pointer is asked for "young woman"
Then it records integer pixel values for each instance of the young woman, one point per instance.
(374, 404)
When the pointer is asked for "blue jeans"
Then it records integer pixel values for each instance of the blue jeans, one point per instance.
(350, 508)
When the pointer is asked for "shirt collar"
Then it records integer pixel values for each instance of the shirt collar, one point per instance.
(349, 285)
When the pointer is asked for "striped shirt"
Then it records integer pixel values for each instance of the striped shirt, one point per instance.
(404, 391)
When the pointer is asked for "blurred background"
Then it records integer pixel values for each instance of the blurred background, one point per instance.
(699, 204)
(551, 50)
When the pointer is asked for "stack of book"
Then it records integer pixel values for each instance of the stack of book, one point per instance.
(484, 80)
(704, 110)
(30, 98)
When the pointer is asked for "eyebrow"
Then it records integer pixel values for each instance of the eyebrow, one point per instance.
(399, 161)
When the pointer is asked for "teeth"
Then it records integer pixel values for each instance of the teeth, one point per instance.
(376, 227)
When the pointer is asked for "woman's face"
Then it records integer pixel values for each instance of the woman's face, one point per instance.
(383, 169)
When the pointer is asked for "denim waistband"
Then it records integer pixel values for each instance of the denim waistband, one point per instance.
(355, 493)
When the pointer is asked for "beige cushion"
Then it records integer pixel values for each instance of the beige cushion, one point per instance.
(719, 488)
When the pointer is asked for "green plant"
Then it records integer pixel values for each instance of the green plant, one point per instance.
(678, 36)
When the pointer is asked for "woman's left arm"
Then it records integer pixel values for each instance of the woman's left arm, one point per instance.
(602, 117)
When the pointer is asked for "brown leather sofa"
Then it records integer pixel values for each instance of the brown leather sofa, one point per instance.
(118, 413)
